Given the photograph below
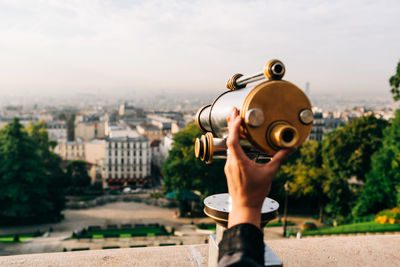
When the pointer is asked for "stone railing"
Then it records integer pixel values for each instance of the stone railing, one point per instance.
(366, 250)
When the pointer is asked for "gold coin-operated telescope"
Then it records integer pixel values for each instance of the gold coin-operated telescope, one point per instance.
(275, 114)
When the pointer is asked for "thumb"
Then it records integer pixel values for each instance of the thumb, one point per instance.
(279, 158)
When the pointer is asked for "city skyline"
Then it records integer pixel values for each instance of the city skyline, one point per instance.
(120, 47)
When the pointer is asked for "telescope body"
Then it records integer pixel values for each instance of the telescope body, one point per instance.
(275, 114)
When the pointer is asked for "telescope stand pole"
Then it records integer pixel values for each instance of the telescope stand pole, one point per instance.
(217, 207)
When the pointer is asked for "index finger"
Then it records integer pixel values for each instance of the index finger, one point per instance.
(233, 140)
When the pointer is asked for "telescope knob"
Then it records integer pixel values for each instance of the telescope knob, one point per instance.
(231, 83)
(254, 117)
(306, 116)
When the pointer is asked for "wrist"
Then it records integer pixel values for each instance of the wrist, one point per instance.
(244, 214)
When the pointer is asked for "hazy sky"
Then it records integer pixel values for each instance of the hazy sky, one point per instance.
(52, 46)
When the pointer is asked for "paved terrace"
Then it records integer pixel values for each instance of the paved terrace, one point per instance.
(367, 250)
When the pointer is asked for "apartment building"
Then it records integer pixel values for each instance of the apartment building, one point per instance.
(127, 160)
(71, 150)
(89, 127)
(57, 130)
(151, 131)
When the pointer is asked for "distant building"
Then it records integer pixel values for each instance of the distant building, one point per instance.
(71, 150)
(323, 124)
(127, 160)
(126, 110)
(162, 123)
(24, 120)
(151, 131)
(164, 147)
(89, 127)
(95, 151)
(317, 130)
(57, 130)
(331, 124)
(176, 126)
(155, 153)
(132, 122)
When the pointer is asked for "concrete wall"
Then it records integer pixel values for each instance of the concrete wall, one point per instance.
(366, 250)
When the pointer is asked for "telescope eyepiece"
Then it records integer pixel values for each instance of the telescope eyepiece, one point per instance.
(274, 70)
(277, 69)
(282, 135)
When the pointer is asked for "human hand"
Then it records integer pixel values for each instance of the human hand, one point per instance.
(248, 182)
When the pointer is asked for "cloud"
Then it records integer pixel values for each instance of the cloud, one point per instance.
(51, 45)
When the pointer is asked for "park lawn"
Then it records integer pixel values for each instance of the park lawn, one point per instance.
(363, 227)
(10, 238)
(7, 239)
(133, 231)
(276, 224)
(141, 231)
(207, 226)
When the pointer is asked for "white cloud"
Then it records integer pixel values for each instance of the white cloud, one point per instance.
(190, 45)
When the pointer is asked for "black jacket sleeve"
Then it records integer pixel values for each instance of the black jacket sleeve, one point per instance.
(242, 245)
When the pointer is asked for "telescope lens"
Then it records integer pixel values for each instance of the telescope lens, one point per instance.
(277, 69)
(287, 136)
(198, 148)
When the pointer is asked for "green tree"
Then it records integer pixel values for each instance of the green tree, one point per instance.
(184, 172)
(55, 176)
(78, 175)
(23, 183)
(308, 174)
(382, 183)
(284, 174)
(395, 83)
(346, 153)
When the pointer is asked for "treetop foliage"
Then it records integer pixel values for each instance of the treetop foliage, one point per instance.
(184, 172)
(31, 179)
(382, 182)
(394, 82)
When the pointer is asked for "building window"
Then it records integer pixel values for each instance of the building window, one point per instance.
(116, 145)
(116, 152)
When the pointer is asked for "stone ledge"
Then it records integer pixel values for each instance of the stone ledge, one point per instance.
(376, 250)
